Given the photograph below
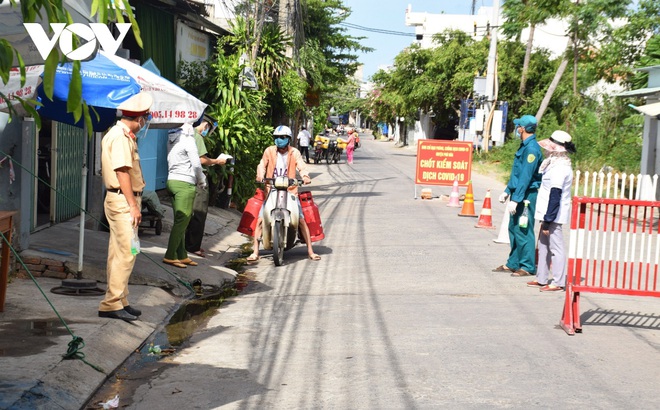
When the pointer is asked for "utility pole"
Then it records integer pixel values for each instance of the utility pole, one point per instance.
(285, 21)
(491, 77)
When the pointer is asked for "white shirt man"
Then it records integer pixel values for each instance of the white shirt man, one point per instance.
(304, 137)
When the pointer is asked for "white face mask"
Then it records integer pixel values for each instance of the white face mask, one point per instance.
(518, 134)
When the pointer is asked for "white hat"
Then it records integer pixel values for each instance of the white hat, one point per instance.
(559, 141)
(137, 105)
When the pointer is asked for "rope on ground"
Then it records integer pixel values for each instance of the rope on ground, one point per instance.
(76, 204)
(73, 352)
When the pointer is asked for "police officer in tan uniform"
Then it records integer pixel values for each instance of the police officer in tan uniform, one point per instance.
(122, 176)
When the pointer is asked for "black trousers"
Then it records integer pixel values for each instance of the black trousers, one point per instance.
(305, 152)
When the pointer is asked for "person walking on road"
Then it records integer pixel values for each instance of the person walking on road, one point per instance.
(304, 137)
(553, 208)
(184, 174)
(122, 177)
(350, 146)
(282, 159)
(523, 186)
(195, 230)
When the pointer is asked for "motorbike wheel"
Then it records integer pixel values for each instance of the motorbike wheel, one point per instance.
(279, 241)
(328, 157)
(336, 157)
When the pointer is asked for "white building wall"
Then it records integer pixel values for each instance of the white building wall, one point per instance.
(550, 36)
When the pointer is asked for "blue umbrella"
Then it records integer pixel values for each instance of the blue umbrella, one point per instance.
(105, 85)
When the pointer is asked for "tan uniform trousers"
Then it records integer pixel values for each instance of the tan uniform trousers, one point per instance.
(120, 258)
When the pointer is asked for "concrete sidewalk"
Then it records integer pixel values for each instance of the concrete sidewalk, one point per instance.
(33, 339)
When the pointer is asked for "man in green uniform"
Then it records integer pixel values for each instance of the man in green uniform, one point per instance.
(523, 185)
(195, 230)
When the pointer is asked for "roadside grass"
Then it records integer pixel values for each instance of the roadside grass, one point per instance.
(492, 169)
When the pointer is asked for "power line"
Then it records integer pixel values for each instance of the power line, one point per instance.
(377, 30)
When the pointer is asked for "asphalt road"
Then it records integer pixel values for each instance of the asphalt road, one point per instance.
(403, 312)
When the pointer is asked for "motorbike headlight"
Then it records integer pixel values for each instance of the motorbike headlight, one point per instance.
(281, 183)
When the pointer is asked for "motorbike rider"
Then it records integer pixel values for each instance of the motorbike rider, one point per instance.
(282, 159)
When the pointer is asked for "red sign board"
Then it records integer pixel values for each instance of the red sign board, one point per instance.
(440, 162)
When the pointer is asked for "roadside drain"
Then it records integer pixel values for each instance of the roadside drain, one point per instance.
(153, 357)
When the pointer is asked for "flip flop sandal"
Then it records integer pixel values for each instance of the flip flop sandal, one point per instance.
(521, 272)
(535, 284)
(188, 261)
(174, 262)
(200, 253)
(502, 268)
(551, 288)
(252, 258)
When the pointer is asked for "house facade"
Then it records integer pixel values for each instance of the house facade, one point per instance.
(61, 155)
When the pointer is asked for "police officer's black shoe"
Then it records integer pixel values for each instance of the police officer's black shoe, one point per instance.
(133, 311)
(118, 314)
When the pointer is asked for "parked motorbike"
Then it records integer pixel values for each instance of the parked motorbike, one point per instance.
(280, 218)
(341, 146)
(321, 144)
(334, 152)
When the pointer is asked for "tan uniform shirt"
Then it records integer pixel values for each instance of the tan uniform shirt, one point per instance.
(119, 149)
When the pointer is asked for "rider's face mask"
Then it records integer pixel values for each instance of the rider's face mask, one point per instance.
(281, 142)
(146, 120)
(205, 132)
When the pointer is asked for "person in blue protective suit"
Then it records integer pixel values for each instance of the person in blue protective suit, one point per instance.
(523, 185)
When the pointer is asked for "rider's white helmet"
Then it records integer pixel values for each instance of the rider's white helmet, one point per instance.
(282, 130)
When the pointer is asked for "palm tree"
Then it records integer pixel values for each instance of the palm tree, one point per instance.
(272, 62)
(520, 14)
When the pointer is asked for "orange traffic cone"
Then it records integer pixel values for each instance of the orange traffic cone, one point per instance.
(468, 202)
(453, 198)
(486, 216)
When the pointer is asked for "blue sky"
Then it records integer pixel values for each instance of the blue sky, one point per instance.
(391, 15)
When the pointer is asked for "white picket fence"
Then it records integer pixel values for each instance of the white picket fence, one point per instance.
(615, 186)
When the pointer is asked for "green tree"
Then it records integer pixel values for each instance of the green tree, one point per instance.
(630, 45)
(272, 61)
(431, 79)
(245, 117)
(328, 57)
(321, 23)
(650, 58)
(591, 25)
(520, 14)
(242, 130)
